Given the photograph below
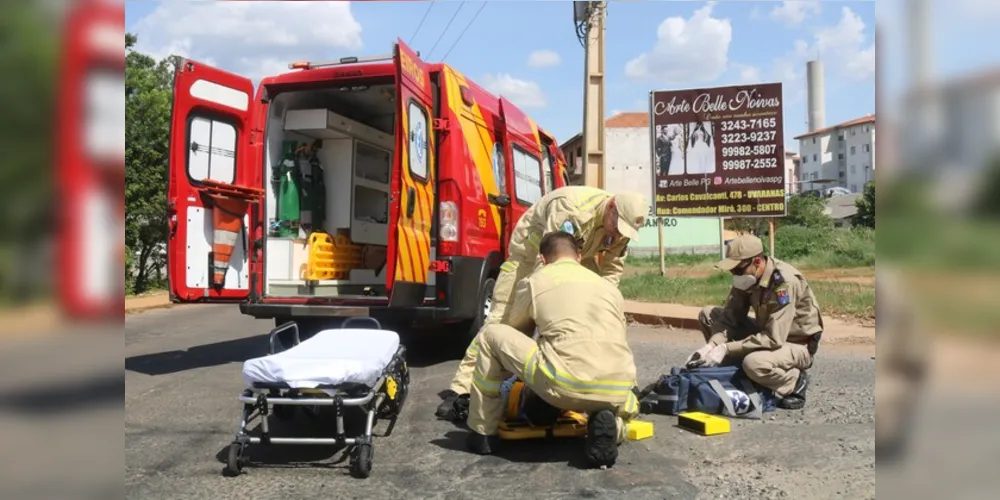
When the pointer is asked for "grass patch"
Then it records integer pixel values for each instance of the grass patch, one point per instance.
(835, 298)
(672, 260)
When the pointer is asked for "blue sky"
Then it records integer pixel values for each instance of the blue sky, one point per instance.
(529, 52)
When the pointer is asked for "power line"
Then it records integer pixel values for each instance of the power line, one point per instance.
(467, 26)
(445, 30)
(430, 6)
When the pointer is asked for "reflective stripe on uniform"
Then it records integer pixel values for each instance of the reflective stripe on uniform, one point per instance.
(592, 200)
(534, 239)
(566, 381)
(473, 349)
(508, 267)
(489, 386)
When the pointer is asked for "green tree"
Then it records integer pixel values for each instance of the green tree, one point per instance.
(807, 211)
(988, 202)
(29, 59)
(866, 207)
(148, 101)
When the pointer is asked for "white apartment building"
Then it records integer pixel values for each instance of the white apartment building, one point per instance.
(841, 155)
(792, 171)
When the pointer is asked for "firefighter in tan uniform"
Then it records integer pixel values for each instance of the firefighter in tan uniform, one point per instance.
(602, 224)
(778, 345)
(580, 361)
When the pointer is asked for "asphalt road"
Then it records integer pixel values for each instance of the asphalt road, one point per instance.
(182, 375)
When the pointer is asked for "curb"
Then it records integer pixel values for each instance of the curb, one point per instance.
(662, 321)
(159, 301)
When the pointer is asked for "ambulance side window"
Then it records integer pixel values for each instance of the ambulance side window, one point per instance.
(418, 141)
(527, 177)
(499, 169)
(211, 149)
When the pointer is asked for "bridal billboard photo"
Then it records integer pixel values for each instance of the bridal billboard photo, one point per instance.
(718, 152)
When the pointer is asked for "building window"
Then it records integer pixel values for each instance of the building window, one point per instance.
(814, 140)
(854, 169)
(840, 137)
(814, 157)
(854, 149)
(805, 159)
(854, 131)
(854, 188)
(840, 156)
(866, 148)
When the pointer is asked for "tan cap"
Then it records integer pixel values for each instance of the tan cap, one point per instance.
(632, 211)
(743, 247)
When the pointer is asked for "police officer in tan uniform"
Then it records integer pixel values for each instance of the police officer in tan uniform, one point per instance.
(580, 361)
(602, 224)
(777, 347)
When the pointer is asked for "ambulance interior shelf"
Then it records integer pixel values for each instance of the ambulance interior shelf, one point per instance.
(354, 162)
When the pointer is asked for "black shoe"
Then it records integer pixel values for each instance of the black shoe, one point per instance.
(479, 444)
(446, 409)
(797, 399)
(602, 439)
(460, 409)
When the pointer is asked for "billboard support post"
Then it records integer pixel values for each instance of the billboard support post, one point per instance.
(663, 257)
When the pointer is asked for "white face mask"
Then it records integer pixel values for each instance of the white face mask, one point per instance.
(744, 282)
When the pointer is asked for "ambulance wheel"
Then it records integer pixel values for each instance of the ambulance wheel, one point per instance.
(364, 454)
(234, 462)
(485, 302)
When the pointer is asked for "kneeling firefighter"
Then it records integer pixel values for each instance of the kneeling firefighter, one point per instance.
(580, 361)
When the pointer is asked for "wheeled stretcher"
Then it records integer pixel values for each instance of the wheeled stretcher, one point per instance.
(346, 367)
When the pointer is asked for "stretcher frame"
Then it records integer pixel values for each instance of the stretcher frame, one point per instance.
(384, 400)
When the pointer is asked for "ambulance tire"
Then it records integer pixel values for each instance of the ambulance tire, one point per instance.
(484, 303)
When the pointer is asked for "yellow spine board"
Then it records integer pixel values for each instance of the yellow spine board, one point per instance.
(331, 257)
(703, 423)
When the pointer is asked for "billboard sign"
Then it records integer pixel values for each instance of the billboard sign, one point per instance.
(718, 152)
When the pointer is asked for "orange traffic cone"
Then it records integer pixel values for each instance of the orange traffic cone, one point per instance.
(227, 224)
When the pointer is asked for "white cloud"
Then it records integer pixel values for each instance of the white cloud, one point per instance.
(687, 51)
(793, 12)
(846, 46)
(843, 48)
(525, 94)
(748, 73)
(254, 39)
(544, 59)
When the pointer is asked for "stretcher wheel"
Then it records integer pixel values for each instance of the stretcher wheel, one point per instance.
(361, 467)
(234, 463)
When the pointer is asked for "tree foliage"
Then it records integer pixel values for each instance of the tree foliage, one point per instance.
(988, 202)
(148, 101)
(807, 211)
(29, 59)
(866, 207)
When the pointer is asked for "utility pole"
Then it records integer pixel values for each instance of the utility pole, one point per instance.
(589, 19)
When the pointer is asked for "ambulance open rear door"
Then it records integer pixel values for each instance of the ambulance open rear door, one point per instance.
(214, 198)
(411, 206)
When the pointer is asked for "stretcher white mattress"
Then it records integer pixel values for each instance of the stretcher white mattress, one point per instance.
(331, 357)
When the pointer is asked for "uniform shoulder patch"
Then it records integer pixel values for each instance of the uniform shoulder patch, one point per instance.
(569, 227)
(777, 278)
(781, 296)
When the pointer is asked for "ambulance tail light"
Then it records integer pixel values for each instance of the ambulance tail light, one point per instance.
(449, 218)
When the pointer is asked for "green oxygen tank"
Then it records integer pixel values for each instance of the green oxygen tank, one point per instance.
(288, 193)
(314, 189)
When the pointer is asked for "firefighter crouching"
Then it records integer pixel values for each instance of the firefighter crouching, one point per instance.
(581, 360)
(602, 224)
(778, 346)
